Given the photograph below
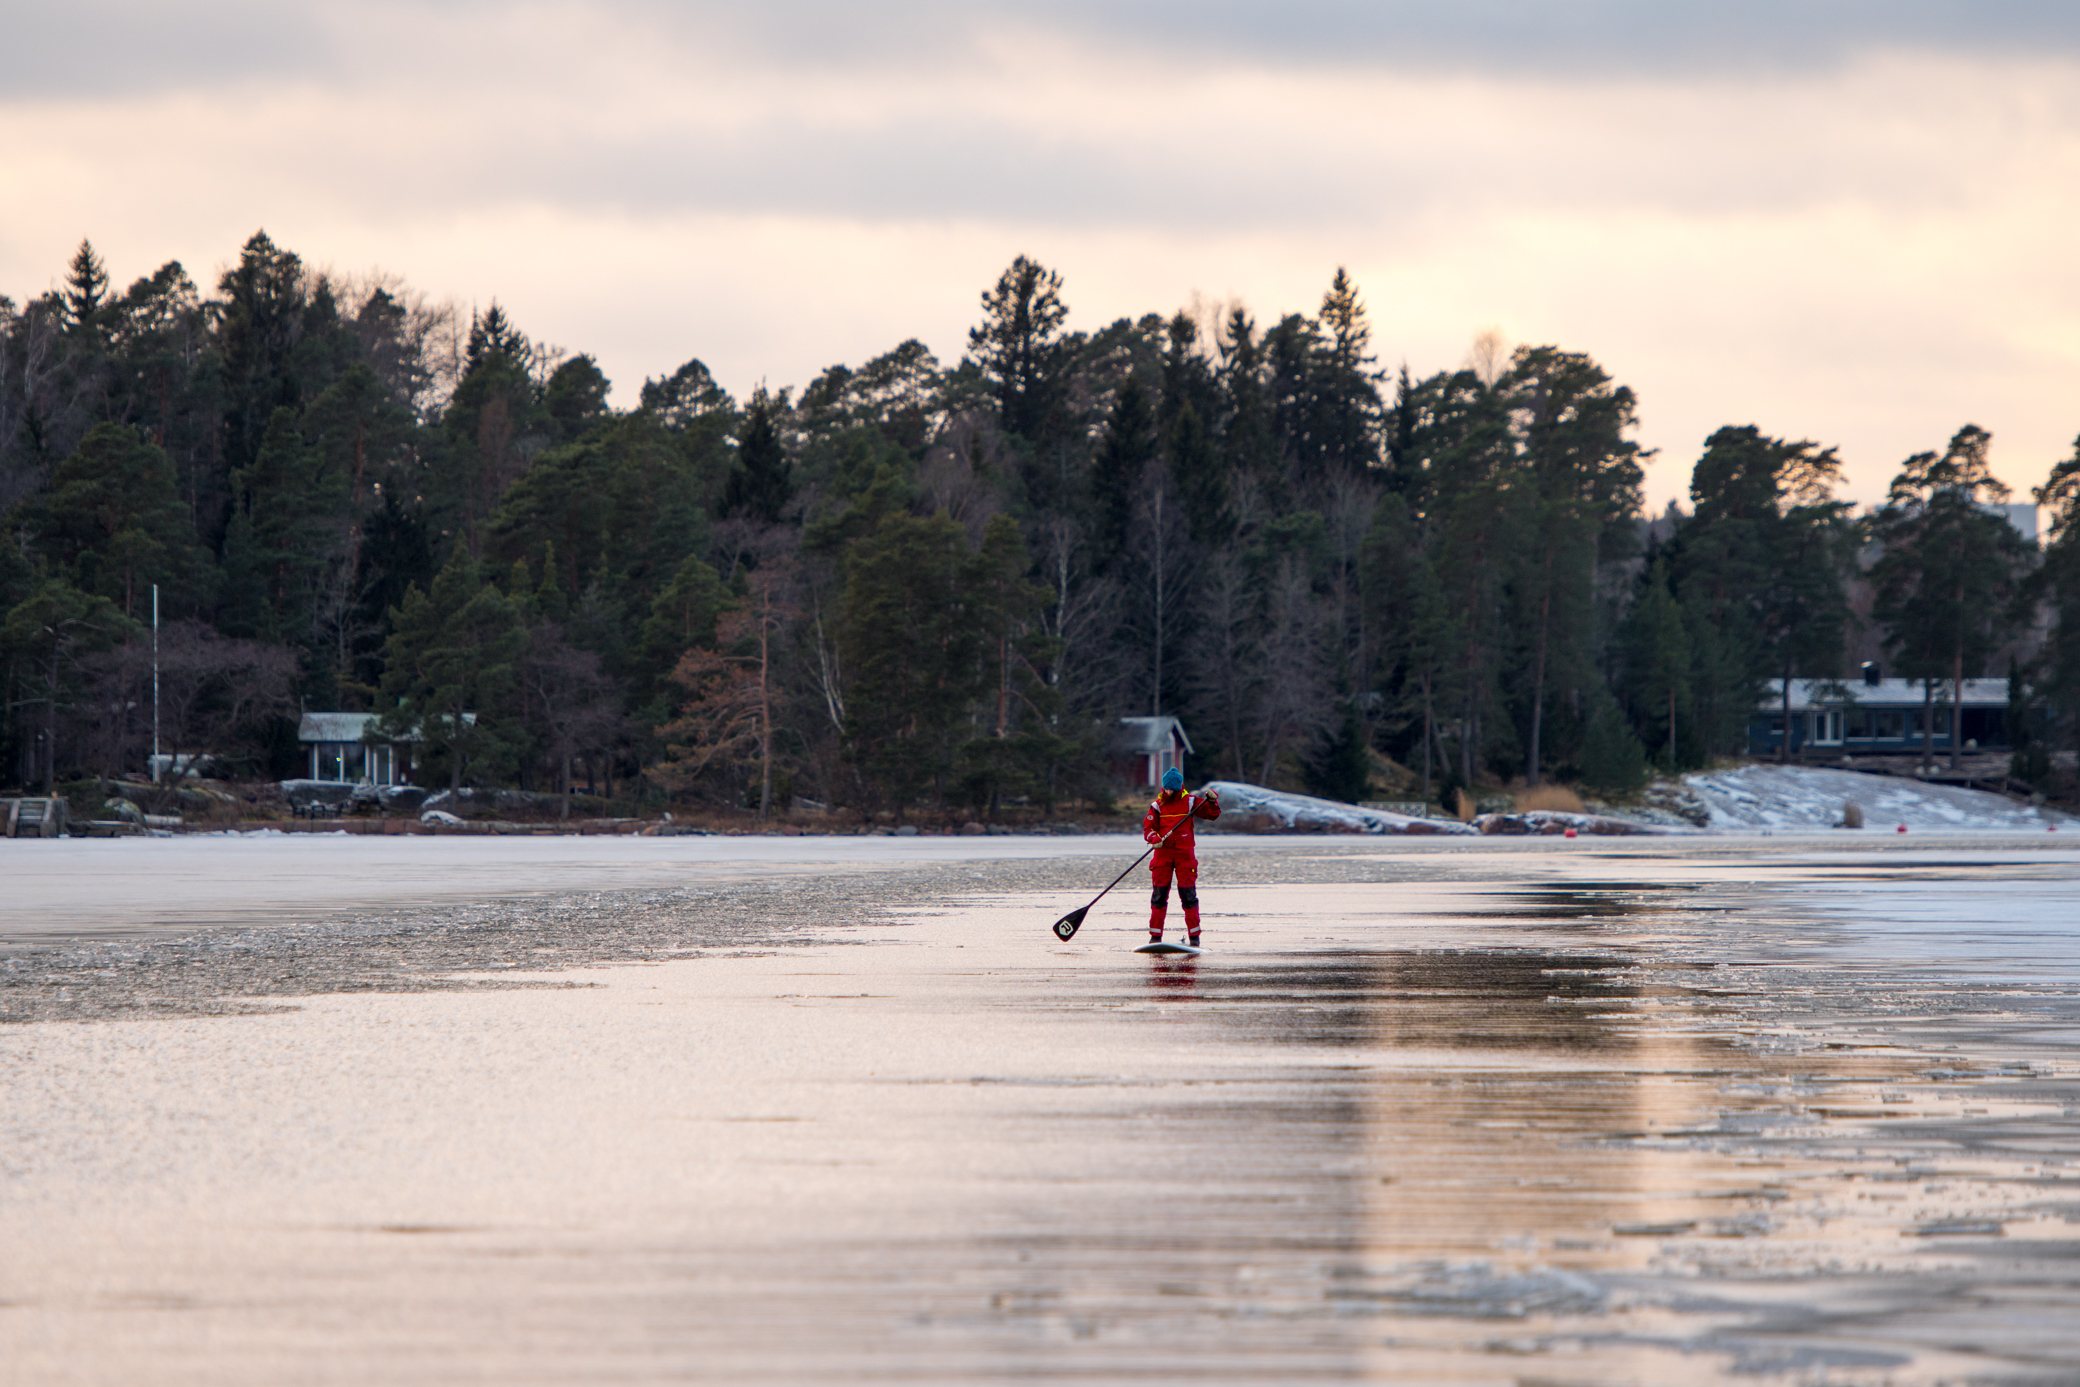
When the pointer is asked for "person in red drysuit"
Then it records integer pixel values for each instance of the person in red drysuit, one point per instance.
(1168, 823)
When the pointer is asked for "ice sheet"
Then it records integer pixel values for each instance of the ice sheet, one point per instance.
(1655, 1111)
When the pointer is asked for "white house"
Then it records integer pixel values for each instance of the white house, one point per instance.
(341, 749)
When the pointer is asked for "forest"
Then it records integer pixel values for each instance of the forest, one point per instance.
(914, 586)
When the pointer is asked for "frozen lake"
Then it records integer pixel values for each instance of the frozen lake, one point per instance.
(832, 1110)
(108, 887)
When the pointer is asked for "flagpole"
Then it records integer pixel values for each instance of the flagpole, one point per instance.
(155, 684)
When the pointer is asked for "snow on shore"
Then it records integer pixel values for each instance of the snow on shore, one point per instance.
(1805, 798)
(1747, 799)
(1254, 809)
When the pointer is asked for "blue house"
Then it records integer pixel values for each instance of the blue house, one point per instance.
(1874, 716)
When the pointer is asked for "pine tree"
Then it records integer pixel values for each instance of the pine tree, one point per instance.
(576, 397)
(2058, 584)
(682, 617)
(113, 522)
(1759, 569)
(1951, 570)
(1584, 476)
(45, 639)
(915, 652)
(686, 396)
(451, 671)
(1020, 348)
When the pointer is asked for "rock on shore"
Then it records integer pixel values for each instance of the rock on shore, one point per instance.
(1556, 823)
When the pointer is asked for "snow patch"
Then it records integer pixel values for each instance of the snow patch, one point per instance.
(1254, 809)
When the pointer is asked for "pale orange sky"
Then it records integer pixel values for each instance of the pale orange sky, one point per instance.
(1859, 234)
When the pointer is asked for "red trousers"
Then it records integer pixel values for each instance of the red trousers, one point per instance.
(1185, 866)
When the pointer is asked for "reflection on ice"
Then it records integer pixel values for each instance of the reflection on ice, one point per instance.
(1427, 1117)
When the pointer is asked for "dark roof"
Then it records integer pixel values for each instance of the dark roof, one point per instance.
(1147, 736)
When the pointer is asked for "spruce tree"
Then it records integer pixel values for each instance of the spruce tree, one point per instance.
(86, 285)
(1346, 430)
(1248, 446)
(492, 333)
(263, 298)
(1657, 664)
(763, 482)
(1124, 456)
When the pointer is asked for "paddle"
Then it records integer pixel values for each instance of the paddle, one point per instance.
(1066, 927)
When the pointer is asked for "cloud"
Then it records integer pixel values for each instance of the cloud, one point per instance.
(116, 46)
(1844, 222)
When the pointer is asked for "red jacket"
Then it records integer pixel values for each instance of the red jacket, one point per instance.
(1168, 814)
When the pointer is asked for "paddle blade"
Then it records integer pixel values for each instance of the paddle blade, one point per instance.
(1065, 928)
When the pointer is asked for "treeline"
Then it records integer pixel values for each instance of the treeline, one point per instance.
(923, 584)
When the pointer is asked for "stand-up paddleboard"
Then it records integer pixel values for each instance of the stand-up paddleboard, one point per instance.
(1169, 949)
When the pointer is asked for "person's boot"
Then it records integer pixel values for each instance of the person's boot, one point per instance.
(1191, 927)
(1155, 924)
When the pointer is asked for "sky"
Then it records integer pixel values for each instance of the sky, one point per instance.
(1852, 222)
